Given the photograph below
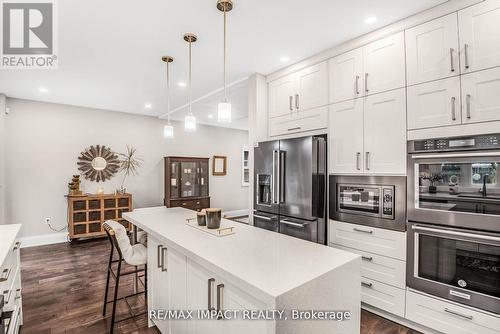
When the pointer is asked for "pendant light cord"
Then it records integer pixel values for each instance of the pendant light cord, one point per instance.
(168, 94)
(225, 54)
(190, 86)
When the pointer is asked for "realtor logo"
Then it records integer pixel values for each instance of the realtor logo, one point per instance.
(28, 34)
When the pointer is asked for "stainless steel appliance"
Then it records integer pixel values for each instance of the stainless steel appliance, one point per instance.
(456, 264)
(378, 201)
(455, 182)
(454, 219)
(290, 187)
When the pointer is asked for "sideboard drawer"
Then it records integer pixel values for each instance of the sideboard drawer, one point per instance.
(371, 239)
(192, 204)
(383, 296)
(449, 317)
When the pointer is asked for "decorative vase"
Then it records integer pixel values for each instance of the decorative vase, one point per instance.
(432, 189)
(213, 218)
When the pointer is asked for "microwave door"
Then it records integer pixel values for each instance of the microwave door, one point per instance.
(266, 156)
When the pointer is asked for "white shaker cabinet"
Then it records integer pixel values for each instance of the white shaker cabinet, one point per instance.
(157, 282)
(479, 31)
(385, 133)
(346, 137)
(175, 264)
(481, 96)
(384, 64)
(432, 50)
(434, 104)
(281, 95)
(311, 87)
(345, 73)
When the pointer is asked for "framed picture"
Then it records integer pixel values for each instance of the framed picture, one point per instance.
(219, 165)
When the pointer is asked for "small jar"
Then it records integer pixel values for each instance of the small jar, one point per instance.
(201, 218)
(213, 218)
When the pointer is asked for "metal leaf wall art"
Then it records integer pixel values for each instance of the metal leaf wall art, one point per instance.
(98, 163)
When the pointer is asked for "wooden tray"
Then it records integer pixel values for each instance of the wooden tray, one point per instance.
(219, 232)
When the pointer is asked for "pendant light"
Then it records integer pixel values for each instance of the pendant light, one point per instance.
(190, 120)
(168, 130)
(224, 107)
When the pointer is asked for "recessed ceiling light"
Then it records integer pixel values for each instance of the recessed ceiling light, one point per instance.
(148, 106)
(181, 84)
(370, 20)
(210, 116)
(43, 90)
(284, 59)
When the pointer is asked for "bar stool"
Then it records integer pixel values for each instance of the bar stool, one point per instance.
(134, 255)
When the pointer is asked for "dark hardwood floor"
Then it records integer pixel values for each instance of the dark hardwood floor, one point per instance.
(63, 287)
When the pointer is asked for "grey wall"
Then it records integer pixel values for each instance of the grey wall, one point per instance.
(44, 141)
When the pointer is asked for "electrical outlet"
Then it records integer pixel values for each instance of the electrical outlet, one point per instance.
(47, 221)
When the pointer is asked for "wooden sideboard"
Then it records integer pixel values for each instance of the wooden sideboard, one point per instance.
(87, 213)
(187, 183)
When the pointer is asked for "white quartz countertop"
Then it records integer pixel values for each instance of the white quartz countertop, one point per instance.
(8, 234)
(270, 262)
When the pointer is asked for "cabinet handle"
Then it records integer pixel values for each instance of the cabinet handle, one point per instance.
(366, 82)
(367, 161)
(18, 294)
(452, 67)
(362, 231)
(357, 84)
(297, 106)
(220, 296)
(160, 263)
(367, 285)
(5, 275)
(210, 284)
(16, 246)
(292, 129)
(291, 101)
(163, 253)
(358, 155)
(453, 113)
(367, 258)
(466, 55)
(468, 317)
(467, 102)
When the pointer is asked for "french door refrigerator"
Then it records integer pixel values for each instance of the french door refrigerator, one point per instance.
(290, 187)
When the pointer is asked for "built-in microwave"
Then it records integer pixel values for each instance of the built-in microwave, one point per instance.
(377, 201)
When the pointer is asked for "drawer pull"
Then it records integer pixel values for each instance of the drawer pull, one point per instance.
(210, 284)
(184, 204)
(163, 260)
(287, 222)
(362, 231)
(159, 264)
(16, 246)
(367, 258)
(367, 285)
(18, 294)
(296, 128)
(5, 275)
(468, 317)
(220, 299)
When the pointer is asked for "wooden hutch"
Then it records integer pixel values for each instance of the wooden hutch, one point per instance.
(186, 183)
(87, 213)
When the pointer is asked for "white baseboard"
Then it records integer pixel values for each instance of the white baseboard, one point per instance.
(44, 239)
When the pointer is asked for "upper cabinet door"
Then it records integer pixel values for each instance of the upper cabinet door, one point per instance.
(346, 137)
(479, 36)
(384, 64)
(433, 104)
(312, 87)
(281, 96)
(432, 50)
(345, 73)
(385, 133)
(481, 96)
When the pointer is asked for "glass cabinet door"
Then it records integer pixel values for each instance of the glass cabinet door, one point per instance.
(203, 178)
(174, 179)
(189, 179)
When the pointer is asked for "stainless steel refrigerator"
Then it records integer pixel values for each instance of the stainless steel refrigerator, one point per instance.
(290, 187)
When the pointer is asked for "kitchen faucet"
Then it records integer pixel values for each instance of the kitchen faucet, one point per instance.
(485, 180)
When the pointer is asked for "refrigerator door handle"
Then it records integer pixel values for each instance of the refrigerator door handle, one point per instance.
(275, 178)
(282, 168)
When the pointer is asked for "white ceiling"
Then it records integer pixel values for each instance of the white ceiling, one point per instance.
(109, 51)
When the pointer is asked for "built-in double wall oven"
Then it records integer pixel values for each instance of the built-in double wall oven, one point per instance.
(454, 219)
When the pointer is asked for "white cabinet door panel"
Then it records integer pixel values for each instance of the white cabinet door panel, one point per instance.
(434, 104)
(158, 283)
(312, 87)
(481, 96)
(479, 31)
(384, 64)
(281, 96)
(432, 50)
(303, 121)
(345, 73)
(175, 264)
(383, 296)
(346, 137)
(385, 133)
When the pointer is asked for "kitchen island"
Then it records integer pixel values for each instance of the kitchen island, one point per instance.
(234, 277)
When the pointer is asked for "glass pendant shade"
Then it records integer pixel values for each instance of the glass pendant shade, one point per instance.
(224, 112)
(190, 123)
(168, 131)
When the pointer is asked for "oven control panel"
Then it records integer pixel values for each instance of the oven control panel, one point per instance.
(388, 202)
(483, 142)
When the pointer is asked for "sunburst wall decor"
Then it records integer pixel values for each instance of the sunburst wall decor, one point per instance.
(98, 163)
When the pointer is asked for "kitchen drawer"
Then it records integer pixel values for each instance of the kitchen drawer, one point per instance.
(192, 204)
(370, 239)
(9, 266)
(12, 293)
(301, 121)
(383, 296)
(380, 268)
(448, 317)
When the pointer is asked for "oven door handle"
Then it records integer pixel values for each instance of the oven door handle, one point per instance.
(457, 155)
(287, 222)
(457, 233)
